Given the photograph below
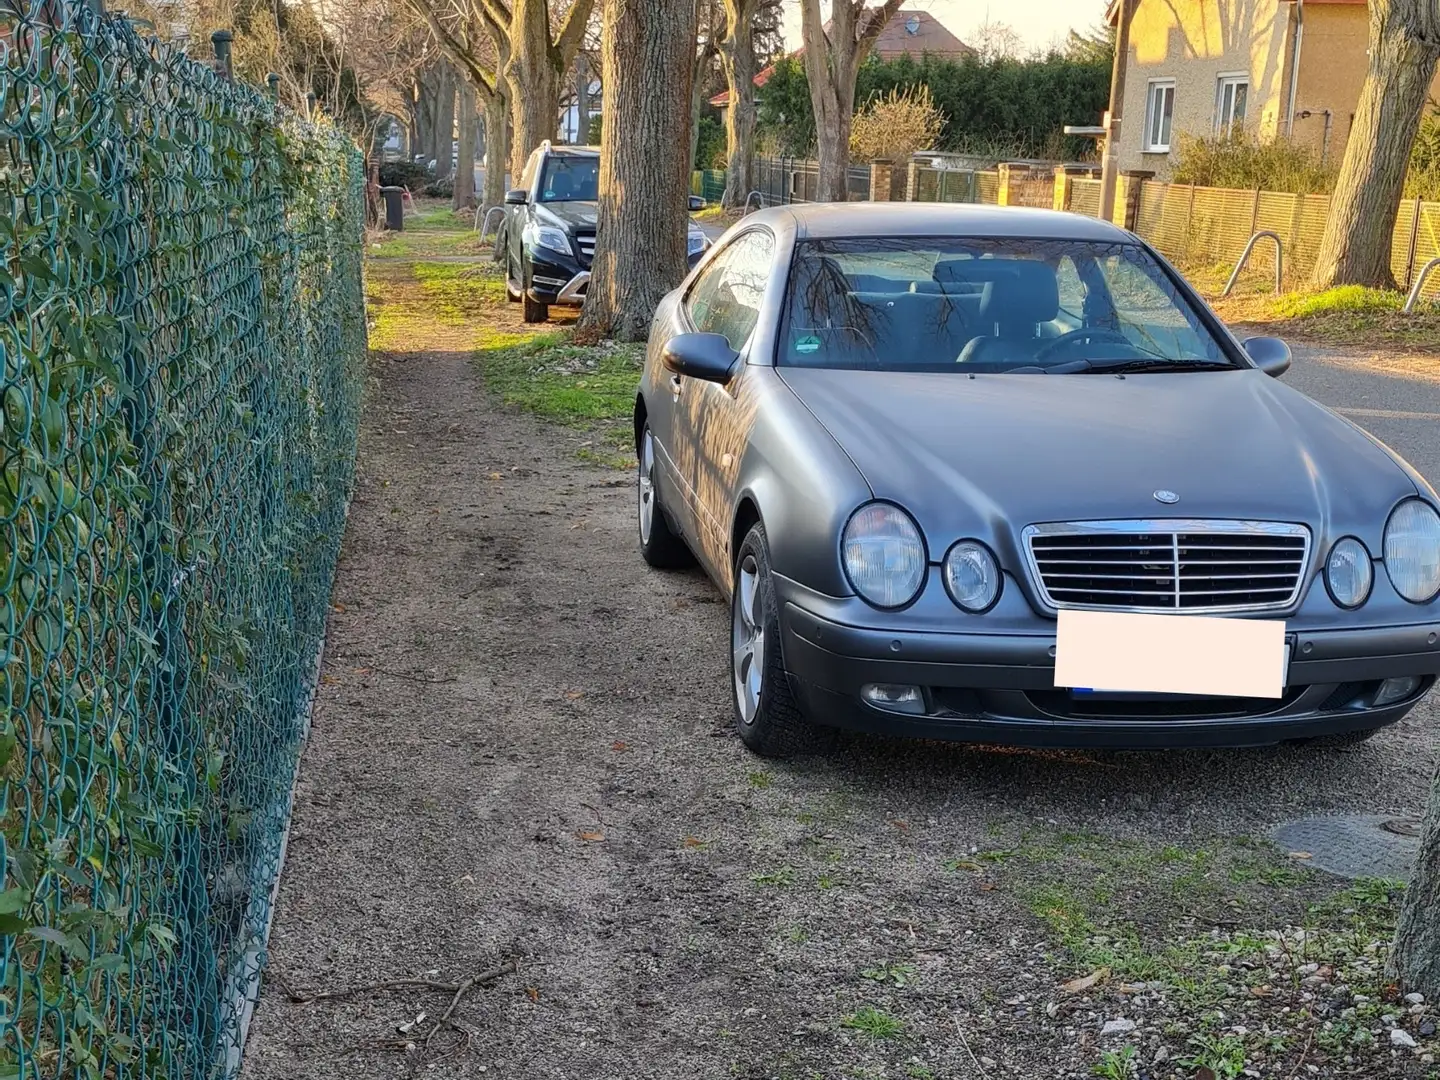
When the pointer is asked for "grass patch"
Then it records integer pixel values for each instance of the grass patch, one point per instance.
(782, 878)
(588, 386)
(873, 1023)
(1341, 300)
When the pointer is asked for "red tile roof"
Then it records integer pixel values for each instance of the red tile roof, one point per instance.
(908, 33)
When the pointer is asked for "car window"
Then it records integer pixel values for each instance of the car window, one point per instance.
(1144, 312)
(987, 304)
(569, 177)
(726, 297)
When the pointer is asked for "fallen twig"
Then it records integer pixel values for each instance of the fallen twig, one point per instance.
(301, 998)
(411, 678)
(463, 989)
(968, 1052)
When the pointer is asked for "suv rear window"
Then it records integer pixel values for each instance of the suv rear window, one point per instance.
(570, 177)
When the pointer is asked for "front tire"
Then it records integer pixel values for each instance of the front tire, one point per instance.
(767, 716)
(659, 546)
(534, 311)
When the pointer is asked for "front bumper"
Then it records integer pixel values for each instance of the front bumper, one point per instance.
(999, 688)
(563, 282)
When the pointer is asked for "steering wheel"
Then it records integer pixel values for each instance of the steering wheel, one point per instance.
(1085, 333)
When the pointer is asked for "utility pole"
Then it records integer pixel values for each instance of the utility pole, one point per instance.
(1113, 117)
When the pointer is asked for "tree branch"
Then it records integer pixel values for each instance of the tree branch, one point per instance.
(879, 19)
(572, 31)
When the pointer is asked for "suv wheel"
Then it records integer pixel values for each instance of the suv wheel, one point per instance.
(534, 312)
(512, 279)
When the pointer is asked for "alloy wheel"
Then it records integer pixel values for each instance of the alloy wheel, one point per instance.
(747, 638)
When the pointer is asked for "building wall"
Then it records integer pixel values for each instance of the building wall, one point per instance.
(1333, 62)
(1194, 42)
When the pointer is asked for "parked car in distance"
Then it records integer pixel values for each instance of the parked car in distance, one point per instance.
(547, 238)
(914, 444)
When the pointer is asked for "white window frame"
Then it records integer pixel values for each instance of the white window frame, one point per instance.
(1226, 79)
(1154, 145)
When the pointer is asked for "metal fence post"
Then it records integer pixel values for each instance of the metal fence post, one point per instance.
(221, 40)
(272, 83)
(1189, 220)
(1414, 242)
(310, 105)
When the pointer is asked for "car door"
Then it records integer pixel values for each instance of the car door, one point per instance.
(710, 420)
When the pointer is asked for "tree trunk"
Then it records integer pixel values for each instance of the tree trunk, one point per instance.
(1404, 47)
(641, 233)
(497, 149)
(1415, 958)
(582, 99)
(535, 103)
(463, 196)
(737, 58)
(445, 125)
(831, 64)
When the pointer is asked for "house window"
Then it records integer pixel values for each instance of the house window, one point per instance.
(1231, 94)
(1159, 110)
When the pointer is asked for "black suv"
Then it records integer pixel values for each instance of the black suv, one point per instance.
(548, 236)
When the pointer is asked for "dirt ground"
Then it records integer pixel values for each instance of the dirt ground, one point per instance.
(522, 753)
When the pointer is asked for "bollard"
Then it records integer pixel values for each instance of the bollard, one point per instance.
(310, 105)
(394, 207)
(221, 40)
(273, 82)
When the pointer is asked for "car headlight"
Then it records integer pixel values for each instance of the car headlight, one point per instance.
(972, 577)
(545, 236)
(1412, 550)
(884, 555)
(1349, 573)
(697, 241)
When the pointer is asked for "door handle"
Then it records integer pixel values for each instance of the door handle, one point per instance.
(675, 385)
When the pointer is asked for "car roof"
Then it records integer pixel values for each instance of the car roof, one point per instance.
(828, 221)
(575, 151)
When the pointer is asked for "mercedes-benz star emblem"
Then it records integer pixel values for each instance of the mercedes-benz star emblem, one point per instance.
(1166, 497)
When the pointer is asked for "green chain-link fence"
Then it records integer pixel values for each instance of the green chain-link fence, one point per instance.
(181, 361)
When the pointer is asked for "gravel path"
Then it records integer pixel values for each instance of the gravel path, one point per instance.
(522, 750)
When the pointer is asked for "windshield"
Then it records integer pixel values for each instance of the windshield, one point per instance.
(988, 305)
(571, 178)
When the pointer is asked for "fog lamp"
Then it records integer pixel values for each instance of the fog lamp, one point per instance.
(894, 697)
(1393, 690)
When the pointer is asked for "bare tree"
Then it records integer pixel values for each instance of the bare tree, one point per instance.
(445, 124)
(463, 195)
(524, 60)
(641, 233)
(1404, 48)
(997, 41)
(833, 54)
(710, 30)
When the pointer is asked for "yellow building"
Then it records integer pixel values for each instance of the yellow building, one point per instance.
(1286, 68)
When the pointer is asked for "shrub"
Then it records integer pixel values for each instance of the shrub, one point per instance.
(1423, 181)
(896, 125)
(406, 174)
(1244, 161)
(439, 189)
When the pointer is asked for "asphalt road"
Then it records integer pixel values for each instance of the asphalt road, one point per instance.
(1394, 396)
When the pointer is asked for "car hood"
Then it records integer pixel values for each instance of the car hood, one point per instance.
(568, 214)
(987, 455)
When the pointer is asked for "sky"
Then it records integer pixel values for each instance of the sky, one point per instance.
(1038, 22)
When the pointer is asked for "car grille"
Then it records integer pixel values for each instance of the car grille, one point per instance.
(585, 243)
(1169, 565)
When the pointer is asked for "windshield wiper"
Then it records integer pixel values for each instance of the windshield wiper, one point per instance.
(1111, 367)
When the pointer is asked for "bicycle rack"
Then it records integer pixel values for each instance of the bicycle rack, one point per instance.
(1245, 257)
(757, 195)
(493, 210)
(1414, 296)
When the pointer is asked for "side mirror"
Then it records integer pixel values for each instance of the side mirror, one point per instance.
(700, 356)
(697, 203)
(517, 197)
(1271, 355)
